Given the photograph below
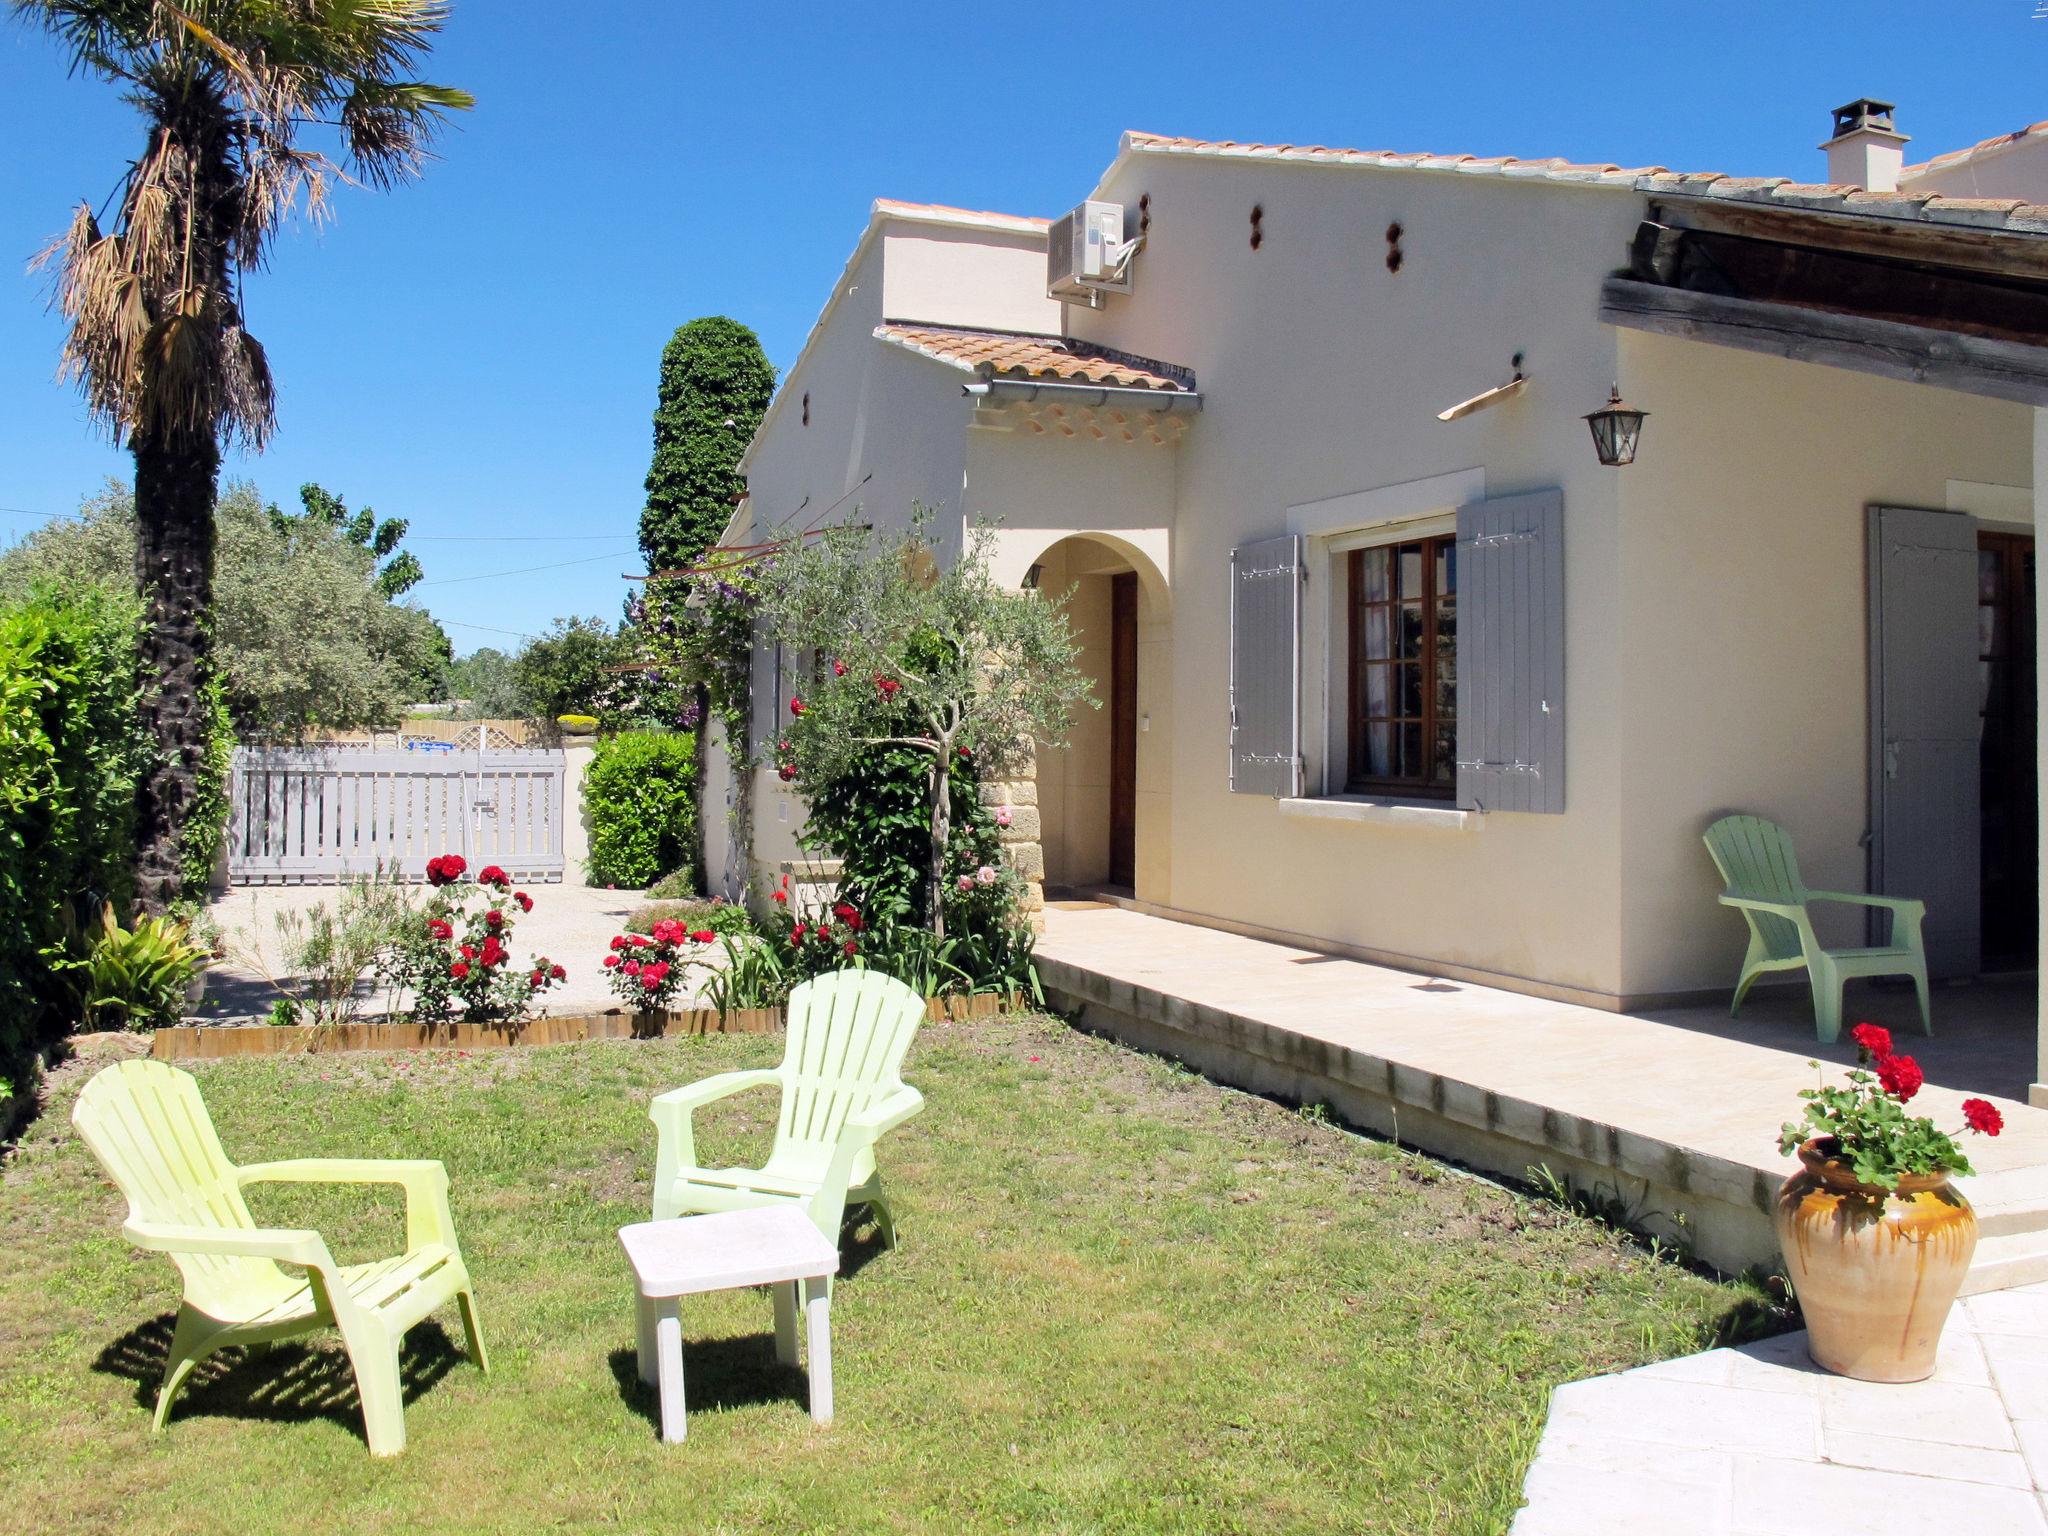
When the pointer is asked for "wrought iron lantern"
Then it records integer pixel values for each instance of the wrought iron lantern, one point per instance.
(1615, 429)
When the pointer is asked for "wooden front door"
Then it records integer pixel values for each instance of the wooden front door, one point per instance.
(1123, 729)
(2006, 746)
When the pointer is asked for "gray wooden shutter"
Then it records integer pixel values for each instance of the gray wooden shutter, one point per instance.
(1511, 654)
(1265, 667)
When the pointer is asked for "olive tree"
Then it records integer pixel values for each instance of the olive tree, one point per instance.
(915, 652)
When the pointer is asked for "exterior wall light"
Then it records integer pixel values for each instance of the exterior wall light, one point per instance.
(1615, 429)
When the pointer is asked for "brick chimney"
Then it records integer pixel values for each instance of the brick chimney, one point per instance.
(1866, 151)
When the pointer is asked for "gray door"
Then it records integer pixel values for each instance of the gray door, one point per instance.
(1923, 712)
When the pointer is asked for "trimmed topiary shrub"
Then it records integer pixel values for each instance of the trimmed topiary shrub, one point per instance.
(715, 386)
(639, 800)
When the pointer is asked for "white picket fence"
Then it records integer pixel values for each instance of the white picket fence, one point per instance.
(313, 816)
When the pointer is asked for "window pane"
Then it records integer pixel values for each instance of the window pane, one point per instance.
(1408, 694)
(1378, 634)
(1409, 639)
(1444, 762)
(1988, 573)
(1446, 691)
(1447, 566)
(1410, 752)
(1374, 694)
(1411, 570)
(1373, 574)
(1378, 751)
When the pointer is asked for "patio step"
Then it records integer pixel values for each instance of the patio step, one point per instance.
(2004, 1260)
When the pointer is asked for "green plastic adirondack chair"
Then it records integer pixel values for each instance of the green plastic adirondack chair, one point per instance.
(841, 1090)
(149, 1128)
(1755, 859)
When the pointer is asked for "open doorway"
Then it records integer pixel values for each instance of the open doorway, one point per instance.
(2010, 872)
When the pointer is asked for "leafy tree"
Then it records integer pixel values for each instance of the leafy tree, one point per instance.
(156, 339)
(914, 654)
(487, 682)
(563, 672)
(715, 386)
(401, 570)
(303, 637)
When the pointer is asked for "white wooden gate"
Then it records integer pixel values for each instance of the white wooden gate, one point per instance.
(314, 816)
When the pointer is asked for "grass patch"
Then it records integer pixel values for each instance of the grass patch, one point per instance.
(1127, 1300)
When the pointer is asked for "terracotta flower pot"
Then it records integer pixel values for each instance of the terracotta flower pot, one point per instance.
(1876, 1270)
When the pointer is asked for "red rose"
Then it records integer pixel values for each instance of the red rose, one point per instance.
(439, 929)
(446, 869)
(838, 667)
(649, 980)
(525, 901)
(1983, 1116)
(853, 921)
(786, 773)
(1901, 1076)
(783, 897)
(458, 970)
(492, 875)
(538, 979)
(557, 973)
(843, 911)
(796, 706)
(469, 951)
(618, 941)
(494, 919)
(797, 933)
(610, 961)
(632, 967)
(1874, 1040)
(850, 946)
(703, 936)
(964, 752)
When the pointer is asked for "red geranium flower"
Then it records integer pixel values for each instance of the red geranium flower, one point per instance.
(1901, 1076)
(1872, 1039)
(1983, 1116)
(525, 901)
(458, 970)
(492, 875)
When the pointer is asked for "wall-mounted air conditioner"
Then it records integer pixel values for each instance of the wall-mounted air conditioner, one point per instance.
(1088, 253)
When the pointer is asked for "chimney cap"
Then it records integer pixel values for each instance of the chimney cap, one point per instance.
(1865, 114)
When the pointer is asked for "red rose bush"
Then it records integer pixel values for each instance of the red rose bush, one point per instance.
(1865, 1125)
(454, 955)
(647, 970)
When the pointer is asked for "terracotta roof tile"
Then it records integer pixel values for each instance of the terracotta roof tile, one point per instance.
(1654, 180)
(1982, 147)
(1020, 355)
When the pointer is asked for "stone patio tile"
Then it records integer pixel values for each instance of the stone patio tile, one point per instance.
(1779, 1364)
(1607, 1451)
(1928, 1458)
(2023, 1311)
(1960, 1360)
(1771, 1498)
(2019, 1367)
(2033, 1438)
(1924, 1410)
(1688, 1414)
(1713, 1367)
(1579, 1501)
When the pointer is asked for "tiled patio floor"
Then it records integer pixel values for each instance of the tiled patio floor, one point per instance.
(1759, 1441)
(1686, 1088)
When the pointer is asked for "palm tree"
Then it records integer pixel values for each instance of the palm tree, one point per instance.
(156, 341)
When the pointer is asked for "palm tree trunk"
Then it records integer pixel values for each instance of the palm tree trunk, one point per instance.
(942, 831)
(174, 495)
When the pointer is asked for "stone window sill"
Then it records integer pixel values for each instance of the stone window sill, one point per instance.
(1429, 815)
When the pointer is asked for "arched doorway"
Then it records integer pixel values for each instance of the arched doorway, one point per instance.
(1101, 795)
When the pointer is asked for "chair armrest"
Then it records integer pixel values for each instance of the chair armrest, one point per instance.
(1861, 899)
(676, 1147)
(1791, 910)
(858, 1133)
(284, 1245)
(427, 1219)
(887, 1115)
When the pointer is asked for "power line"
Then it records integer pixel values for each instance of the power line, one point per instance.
(524, 570)
(489, 629)
(519, 538)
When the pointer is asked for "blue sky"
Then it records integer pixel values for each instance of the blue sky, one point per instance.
(478, 352)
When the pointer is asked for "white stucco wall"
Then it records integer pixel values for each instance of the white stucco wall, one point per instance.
(2017, 170)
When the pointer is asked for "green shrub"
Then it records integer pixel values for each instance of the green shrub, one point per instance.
(71, 747)
(135, 978)
(676, 885)
(697, 915)
(639, 799)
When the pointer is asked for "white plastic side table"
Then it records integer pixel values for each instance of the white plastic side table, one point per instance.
(773, 1245)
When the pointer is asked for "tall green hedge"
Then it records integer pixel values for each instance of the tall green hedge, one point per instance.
(71, 748)
(715, 386)
(640, 804)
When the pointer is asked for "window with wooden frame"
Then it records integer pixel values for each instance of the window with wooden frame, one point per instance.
(1403, 650)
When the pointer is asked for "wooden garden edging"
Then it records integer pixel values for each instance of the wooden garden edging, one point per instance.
(187, 1042)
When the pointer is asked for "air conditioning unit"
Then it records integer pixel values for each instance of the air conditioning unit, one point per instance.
(1088, 253)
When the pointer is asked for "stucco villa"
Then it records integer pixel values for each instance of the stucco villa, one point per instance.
(1392, 664)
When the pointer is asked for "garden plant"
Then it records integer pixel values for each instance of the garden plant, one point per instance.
(453, 953)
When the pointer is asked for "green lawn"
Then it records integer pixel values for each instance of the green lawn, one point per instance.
(1126, 1300)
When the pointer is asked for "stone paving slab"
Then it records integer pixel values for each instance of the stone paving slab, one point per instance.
(1758, 1439)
